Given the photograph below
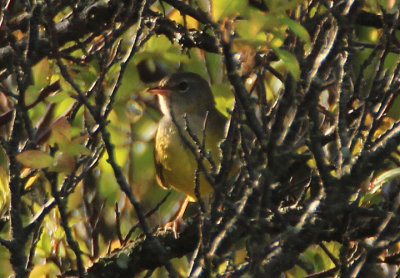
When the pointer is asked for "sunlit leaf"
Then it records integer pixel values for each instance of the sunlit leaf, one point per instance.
(41, 270)
(44, 244)
(290, 61)
(4, 191)
(370, 199)
(253, 29)
(297, 28)
(157, 44)
(58, 97)
(31, 180)
(385, 177)
(221, 8)
(224, 98)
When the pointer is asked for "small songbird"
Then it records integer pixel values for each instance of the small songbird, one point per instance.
(188, 109)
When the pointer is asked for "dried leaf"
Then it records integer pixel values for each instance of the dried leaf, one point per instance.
(6, 117)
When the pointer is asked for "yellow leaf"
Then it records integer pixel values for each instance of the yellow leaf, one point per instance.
(4, 191)
(31, 180)
(42, 270)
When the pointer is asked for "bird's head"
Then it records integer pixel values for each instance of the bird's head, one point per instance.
(184, 92)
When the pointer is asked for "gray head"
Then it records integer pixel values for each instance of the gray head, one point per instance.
(184, 92)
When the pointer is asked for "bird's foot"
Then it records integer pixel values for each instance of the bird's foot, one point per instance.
(176, 226)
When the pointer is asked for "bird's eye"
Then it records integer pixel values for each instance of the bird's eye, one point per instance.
(183, 86)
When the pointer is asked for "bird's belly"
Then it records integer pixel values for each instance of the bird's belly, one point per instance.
(178, 163)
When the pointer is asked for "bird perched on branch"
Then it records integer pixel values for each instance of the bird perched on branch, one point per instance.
(188, 136)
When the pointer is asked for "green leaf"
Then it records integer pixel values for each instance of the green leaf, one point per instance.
(214, 64)
(394, 110)
(4, 191)
(385, 177)
(290, 61)
(57, 98)
(224, 98)
(254, 28)
(61, 131)
(35, 159)
(222, 8)
(176, 57)
(76, 148)
(297, 28)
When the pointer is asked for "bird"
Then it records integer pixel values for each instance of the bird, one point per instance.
(189, 115)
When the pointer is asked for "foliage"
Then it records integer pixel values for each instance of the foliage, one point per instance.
(311, 89)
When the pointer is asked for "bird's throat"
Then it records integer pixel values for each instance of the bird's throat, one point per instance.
(164, 105)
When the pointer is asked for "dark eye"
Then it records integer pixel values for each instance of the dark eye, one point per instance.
(183, 86)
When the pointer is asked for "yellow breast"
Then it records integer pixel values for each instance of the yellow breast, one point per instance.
(176, 161)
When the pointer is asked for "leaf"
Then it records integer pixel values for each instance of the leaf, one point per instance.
(176, 57)
(4, 191)
(63, 163)
(214, 64)
(254, 28)
(41, 270)
(224, 98)
(31, 180)
(43, 126)
(394, 110)
(35, 159)
(221, 8)
(75, 147)
(290, 61)
(61, 131)
(385, 177)
(54, 87)
(57, 98)
(6, 117)
(297, 28)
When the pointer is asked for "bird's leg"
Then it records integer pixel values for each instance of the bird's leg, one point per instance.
(177, 218)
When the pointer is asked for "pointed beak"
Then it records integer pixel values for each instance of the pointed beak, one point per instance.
(159, 90)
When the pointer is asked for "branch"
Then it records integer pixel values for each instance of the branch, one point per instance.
(94, 19)
(139, 255)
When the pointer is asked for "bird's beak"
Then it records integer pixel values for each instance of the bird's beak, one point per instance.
(159, 90)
